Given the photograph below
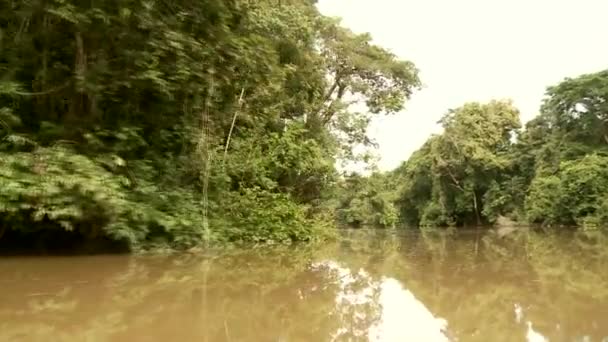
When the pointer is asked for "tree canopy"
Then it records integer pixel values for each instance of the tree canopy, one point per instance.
(483, 166)
(155, 124)
(173, 124)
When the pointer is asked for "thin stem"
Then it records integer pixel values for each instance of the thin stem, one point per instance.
(236, 112)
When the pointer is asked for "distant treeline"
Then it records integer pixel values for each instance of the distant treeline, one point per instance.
(553, 172)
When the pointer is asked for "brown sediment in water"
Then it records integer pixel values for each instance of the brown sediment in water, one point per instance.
(380, 286)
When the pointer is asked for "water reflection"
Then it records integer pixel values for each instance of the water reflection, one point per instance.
(379, 310)
(369, 286)
(531, 334)
(405, 318)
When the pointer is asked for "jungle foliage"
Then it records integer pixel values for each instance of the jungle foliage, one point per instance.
(484, 166)
(179, 123)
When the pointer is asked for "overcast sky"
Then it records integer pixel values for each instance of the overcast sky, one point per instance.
(476, 50)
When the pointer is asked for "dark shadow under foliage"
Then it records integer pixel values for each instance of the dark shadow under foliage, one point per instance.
(54, 240)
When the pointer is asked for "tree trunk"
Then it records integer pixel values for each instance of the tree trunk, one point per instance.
(78, 104)
(477, 216)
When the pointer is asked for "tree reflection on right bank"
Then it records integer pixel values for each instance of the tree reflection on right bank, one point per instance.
(475, 281)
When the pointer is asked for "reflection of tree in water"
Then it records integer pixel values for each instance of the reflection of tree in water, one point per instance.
(41, 297)
(401, 316)
(472, 280)
(357, 306)
(272, 295)
(311, 304)
(572, 272)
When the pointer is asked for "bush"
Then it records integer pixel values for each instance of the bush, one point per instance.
(543, 203)
(259, 216)
(584, 186)
(56, 188)
(577, 194)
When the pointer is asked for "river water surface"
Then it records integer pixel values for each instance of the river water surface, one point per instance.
(367, 286)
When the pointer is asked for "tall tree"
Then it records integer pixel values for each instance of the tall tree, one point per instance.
(466, 161)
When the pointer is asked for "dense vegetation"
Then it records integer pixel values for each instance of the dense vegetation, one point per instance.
(178, 123)
(484, 166)
(174, 124)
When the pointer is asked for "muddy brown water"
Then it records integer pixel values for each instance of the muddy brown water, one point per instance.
(367, 286)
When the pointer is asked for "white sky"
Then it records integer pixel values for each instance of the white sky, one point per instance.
(476, 50)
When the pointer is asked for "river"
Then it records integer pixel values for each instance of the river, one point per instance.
(369, 285)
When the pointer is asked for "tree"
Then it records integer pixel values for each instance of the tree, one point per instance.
(564, 149)
(482, 167)
(579, 108)
(465, 162)
(367, 201)
(575, 195)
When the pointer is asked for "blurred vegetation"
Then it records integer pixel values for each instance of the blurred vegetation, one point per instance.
(175, 124)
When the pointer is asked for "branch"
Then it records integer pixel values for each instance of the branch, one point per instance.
(46, 92)
(328, 95)
(456, 182)
(331, 90)
(236, 112)
(328, 113)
